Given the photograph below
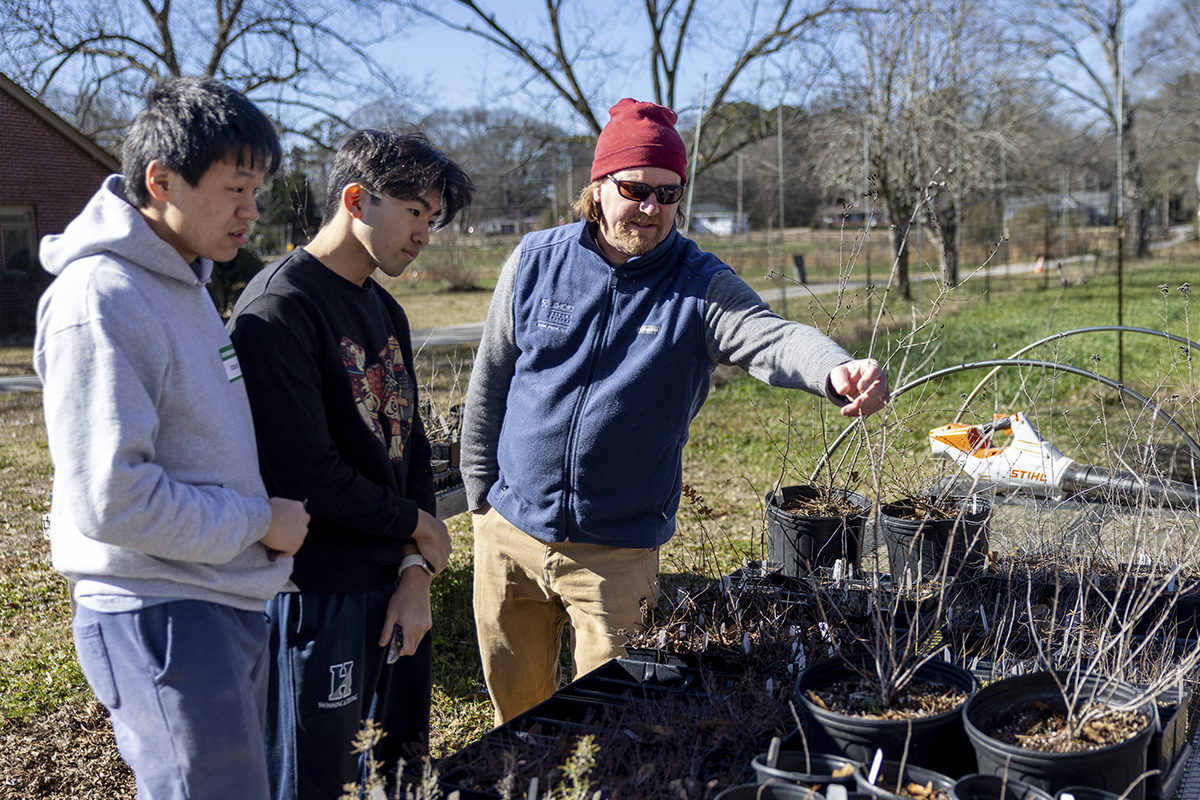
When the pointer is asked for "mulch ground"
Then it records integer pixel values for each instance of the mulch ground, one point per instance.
(67, 755)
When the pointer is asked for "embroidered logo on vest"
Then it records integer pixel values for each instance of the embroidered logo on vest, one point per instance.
(554, 315)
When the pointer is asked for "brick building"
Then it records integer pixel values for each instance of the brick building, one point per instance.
(49, 171)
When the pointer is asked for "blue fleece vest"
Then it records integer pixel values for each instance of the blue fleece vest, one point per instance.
(613, 367)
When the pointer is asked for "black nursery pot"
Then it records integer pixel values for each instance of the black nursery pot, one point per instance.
(989, 787)
(815, 771)
(769, 791)
(803, 543)
(889, 770)
(1086, 793)
(1111, 768)
(917, 547)
(936, 742)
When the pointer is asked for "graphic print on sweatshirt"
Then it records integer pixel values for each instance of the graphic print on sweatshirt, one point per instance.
(383, 393)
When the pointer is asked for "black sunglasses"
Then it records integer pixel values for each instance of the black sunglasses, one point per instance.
(632, 190)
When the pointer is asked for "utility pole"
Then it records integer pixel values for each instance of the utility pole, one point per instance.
(783, 274)
(1004, 218)
(867, 210)
(1120, 45)
(741, 159)
(691, 184)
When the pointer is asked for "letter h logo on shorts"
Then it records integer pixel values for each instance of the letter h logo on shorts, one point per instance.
(341, 680)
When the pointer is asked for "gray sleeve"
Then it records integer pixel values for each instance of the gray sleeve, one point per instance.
(487, 392)
(745, 332)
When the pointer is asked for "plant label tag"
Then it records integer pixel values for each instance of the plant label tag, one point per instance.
(876, 764)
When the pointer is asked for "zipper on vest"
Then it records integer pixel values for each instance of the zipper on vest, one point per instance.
(594, 360)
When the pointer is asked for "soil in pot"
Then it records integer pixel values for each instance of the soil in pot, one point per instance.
(931, 537)
(843, 714)
(1017, 727)
(812, 527)
(915, 783)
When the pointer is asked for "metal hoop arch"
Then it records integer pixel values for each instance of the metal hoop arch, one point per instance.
(1000, 363)
(1062, 335)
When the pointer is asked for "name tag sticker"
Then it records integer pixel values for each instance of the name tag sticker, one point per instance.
(649, 330)
(229, 359)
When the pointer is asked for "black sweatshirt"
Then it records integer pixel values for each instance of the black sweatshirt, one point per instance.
(329, 371)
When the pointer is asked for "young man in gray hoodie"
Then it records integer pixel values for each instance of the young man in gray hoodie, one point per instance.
(159, 515)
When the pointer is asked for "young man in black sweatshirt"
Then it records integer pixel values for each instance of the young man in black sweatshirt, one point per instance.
(327, 359)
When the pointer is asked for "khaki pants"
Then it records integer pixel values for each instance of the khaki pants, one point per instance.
(527, 590)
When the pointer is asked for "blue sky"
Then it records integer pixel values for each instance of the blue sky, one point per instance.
(456, 70)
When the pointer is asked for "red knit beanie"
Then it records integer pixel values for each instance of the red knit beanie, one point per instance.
(639, 135)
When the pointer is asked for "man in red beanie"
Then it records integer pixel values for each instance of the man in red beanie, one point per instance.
(596, 356)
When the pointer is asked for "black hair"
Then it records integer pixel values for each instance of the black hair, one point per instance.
(187, 125)
(400, 165)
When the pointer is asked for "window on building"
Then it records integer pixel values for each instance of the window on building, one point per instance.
(17, 240)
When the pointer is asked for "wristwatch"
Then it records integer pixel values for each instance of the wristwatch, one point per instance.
(416, 560)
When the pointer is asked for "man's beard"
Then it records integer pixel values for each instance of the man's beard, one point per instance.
(634, 242)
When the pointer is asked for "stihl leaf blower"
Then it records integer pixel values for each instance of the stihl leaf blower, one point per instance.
(1032, 463)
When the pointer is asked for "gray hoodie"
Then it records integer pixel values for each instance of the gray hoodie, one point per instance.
(157, 490)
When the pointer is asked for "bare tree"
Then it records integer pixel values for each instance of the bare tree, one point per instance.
(510, 155)
(1094, 71)
(92, 62)
(576, 52)
(1168, 130)
(933, 94)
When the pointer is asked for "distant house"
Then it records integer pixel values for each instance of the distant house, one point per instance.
(512, 223)
(1096, 207)
(50, 171)
(843, 215)
(716, 220)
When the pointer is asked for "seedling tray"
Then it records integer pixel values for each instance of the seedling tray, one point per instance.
(641, 711)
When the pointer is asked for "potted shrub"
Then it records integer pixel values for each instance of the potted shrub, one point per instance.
(1089, 731)
(913, 712)
(810, 527)
(935, 537)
